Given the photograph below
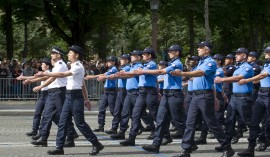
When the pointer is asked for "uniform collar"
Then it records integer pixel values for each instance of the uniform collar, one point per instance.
(238, 64)
(174, 60)
(203, 58)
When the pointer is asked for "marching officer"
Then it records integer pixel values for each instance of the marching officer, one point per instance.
(76, 96)
(261, 107)
(40, 104)
(121, 94)
(148, 97)
(55, 100)
(110, 92)
(171, 104)
(241, 101)
(203, 101)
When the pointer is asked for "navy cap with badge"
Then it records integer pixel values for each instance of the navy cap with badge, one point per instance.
(112, 58)
(76, 49)
(205, 43)
(175, 48)
(267, 49)
(241, 50)
(151, 51)
(218, 57)
(46, 61)
(136, 52)
(56, 49)
(254, 54)
(230, 56)
(196, 58)
(125, 56)
(164, 63)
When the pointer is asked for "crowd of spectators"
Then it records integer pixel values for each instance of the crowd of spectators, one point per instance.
(9, 70)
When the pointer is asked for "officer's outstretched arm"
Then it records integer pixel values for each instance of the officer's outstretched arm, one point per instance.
(151, 72)
(87, 77)
(255, 78)
(196, 73)
(229, 79)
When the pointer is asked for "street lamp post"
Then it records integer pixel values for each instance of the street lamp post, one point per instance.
(154, 4)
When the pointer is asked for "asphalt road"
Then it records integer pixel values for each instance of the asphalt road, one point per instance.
(14, 142)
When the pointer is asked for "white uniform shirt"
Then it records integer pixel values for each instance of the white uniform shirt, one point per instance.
(42, 82)
(59, 66)
(75, 81)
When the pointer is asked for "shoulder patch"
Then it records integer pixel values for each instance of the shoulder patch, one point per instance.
(218, 73)
(60, 62)
(173, 65)
(148, 66)
(247, 69)
(77, 63)
(230, 68)
(209, 64)
(254, 68)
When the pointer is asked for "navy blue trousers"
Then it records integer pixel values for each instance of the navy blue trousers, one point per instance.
(204, 104)
(121, 95)
(170, 107)
(147, 98)
(107, 99)
(73, 107)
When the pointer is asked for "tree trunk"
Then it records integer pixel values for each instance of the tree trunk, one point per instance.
(191, 32)
(25, 49)
(206, 19)
(262, 34)
(8, 28)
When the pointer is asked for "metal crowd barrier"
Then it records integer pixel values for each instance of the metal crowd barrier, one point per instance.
(12, 89)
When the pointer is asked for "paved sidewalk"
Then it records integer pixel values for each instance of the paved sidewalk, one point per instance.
(27, 108)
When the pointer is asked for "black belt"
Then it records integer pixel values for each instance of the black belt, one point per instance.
(132, 90)
(264, 89)
(72, 91)
(241, 94)
(147, 88)
(120, 89)
(168, 91)
(44, 92)
(56, 89)
(110, 89)
(198, 92)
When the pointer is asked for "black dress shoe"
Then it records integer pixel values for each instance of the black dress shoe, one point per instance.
(128, 142)
(96, 149)
(40, 142)
(177, 135)
(166, 141)
(75, 135)
(200, 141)
(262, 147)
(228, 152)
(247, 153)
(173, 129)
(151, 136)
(147, 129)
(219, 148)
(151, 148)
(235, 140)
(194, 147)
(32, 133)
(119, 136)
(69, 144)
(183, 154)
(99, 129)
(36, 137)
(56, 152)
(111, 131)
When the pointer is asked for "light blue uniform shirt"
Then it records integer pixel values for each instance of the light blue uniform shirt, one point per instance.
(219, 73)
(148, 80)
(206, 82)
(266, 81)
(245, 70)
(132, 83)
(110, 83)
(173, 82)
(122, 82)
(190, 82)
(161, 84)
